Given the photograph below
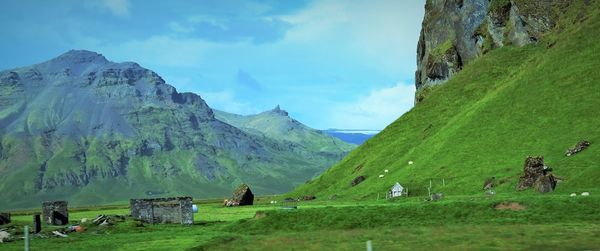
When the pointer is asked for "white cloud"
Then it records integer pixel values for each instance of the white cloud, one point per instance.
(379, 31)
(120, 8)
(162, 51)
(226, 101)
(376, 110)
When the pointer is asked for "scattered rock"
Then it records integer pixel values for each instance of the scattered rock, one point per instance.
(585, 194)
(489, 183)
(490, 192)
(5, 237)
(308, 197)
(437, 196)
(573, 195)
(580, 146)
(358, 180)
(514, 206)
(538, 175)
(288, 199)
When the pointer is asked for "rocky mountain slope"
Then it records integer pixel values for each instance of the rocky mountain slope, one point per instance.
(277, 125)
(455, 32)
(539, 99)
(82, 128)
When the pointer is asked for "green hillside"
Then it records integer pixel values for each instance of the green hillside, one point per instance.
(539, 99)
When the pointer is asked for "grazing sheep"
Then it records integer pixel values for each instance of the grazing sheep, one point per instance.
(385, 170)
(381, 176)
(585, 194)
(573, 194)
(410, 162)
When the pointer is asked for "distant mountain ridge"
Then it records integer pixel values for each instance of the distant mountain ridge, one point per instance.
(82, 128)
(277, 125)
(356, 137)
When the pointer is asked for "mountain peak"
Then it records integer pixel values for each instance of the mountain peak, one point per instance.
(279, 111)
(80, 56)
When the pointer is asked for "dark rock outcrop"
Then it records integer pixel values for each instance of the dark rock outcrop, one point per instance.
(454, 32)
(537, 175)
(580, 146)
(357, 180)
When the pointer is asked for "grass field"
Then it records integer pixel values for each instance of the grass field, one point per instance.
(549, 222)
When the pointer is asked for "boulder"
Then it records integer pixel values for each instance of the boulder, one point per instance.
(536, 174)
(5, 236)
(580, 146)
(437, 196)
(242, 196)
(358, 180)
(308, 197)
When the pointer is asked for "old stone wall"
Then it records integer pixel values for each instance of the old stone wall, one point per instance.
(163, 210)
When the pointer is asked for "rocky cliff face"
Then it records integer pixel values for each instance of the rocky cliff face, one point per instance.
(82, 128)
(454, 32)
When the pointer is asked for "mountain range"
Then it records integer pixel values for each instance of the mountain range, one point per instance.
(82, 128)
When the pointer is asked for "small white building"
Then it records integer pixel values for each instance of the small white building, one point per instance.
(396, 190)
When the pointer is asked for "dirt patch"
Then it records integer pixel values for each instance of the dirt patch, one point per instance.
(514, 206)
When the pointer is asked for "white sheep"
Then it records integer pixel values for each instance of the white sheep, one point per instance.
(381, 176)
(410, 162)
(585, 194)
(385, 170)
(573, 194)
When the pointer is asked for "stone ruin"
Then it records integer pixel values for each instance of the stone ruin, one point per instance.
(55, 212)
(537, 175)
(580, 146)
(4, 218)
(163, 210)
(242, 196)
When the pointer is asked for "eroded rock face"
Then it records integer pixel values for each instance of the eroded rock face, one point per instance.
(454, 32)
(536, 174)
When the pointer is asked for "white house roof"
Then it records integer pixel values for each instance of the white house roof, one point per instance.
(397, 186)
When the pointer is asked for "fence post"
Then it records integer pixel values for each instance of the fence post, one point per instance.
(26, 238)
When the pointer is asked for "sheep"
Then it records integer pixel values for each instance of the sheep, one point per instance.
(381, 176)
(410, 162)
(573, 194)
(385, 170)
(585, 194)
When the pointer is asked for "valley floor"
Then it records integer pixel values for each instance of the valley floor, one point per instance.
(545, 222)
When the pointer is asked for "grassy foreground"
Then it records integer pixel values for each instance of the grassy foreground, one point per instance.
(549, 222)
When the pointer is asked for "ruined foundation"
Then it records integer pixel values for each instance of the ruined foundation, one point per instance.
(55, 212)
(163, 210)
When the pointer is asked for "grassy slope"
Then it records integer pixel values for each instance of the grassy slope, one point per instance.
(504, 106)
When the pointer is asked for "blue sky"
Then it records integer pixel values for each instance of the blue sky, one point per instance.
(330, 64)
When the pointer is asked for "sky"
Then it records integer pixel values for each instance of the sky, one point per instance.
(345, 64)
